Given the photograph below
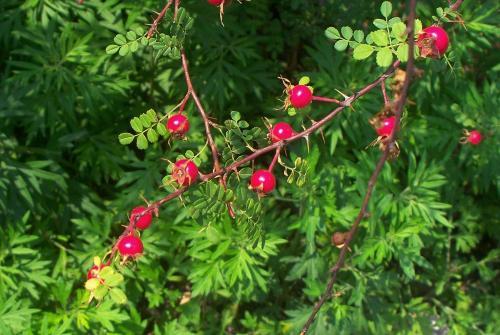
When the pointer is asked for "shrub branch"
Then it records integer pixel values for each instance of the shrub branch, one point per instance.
(222, 172)
(391, 142)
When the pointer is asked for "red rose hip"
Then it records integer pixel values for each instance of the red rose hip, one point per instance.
(178, 124)
(386, 126)
(281, 131)
(144, 221)
(262, 181)
(185, 172)
(474, 137)
(130, 246)
(433, 41)
(215, 2)
(300, 96)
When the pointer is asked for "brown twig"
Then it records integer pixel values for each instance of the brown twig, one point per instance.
(373, 178)
(456, 4)
(206, 121)
(176, 8)
(325, 99)
(208, 124)
(275, 159)
(384, 93)
(158, 19)
(184, 101)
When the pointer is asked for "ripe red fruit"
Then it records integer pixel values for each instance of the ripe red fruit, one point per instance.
(94, 270)
(281, 131)
(130, 246)
(474, 137)
(178, 124)
(144, 221)
(300, 96)
(262, 181)
(215, 2)
(185, 172)
(387, 126)
(433, 41)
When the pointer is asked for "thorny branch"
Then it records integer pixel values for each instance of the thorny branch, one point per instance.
(390, 143)
(219, 171)
(325, 99)
(206, 121)
(384, 93)
(275, 159)
(160, 16)
(208, 124)
(456, 4)
(226, 170)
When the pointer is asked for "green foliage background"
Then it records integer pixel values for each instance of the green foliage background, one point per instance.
(428, 256)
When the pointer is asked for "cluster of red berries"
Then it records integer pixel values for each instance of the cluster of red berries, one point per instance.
(131, 245)
(263, 181)
(184, 172)
(386, 128)
(433, 41)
